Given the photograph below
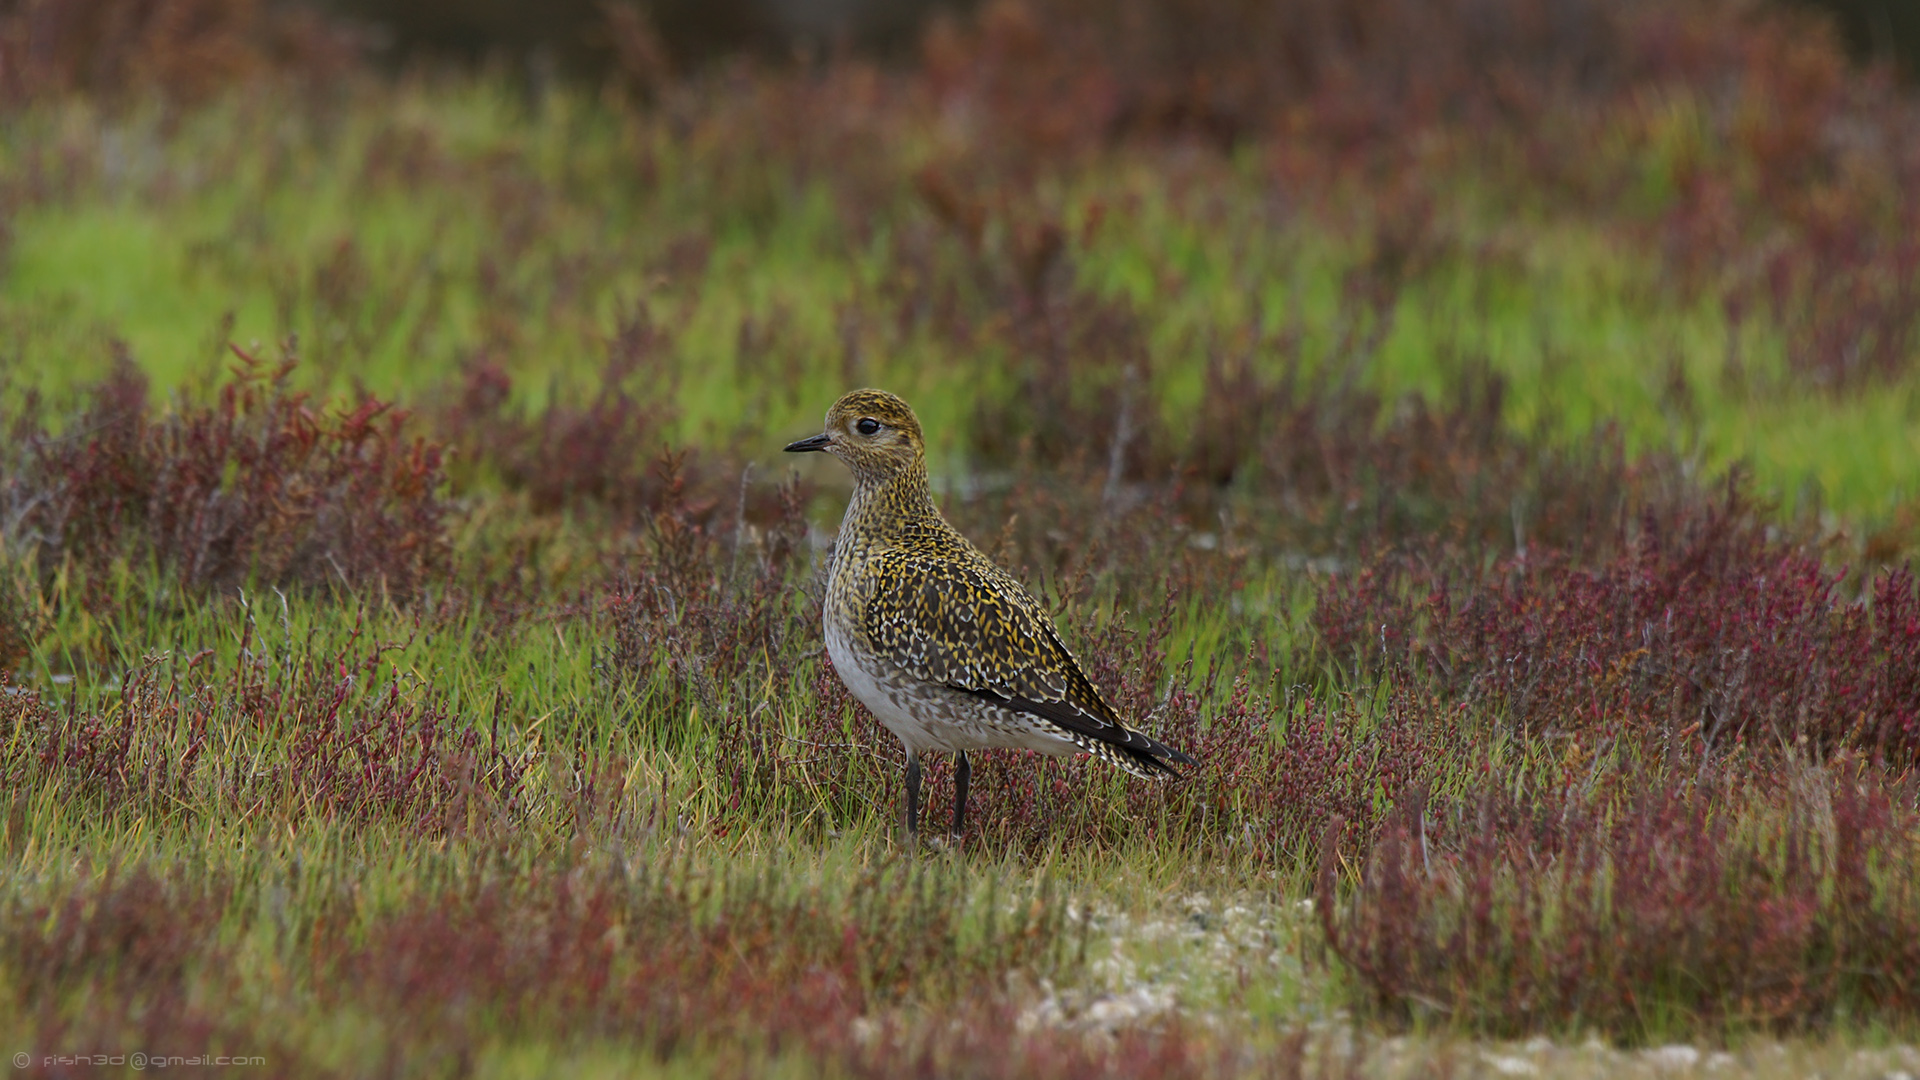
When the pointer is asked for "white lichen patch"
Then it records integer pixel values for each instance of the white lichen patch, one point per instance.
(1211, 960)
(1102, 1013)
(1594, 1060)
(1248, 964)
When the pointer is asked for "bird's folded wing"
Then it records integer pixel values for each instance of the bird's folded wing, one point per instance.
(959, 624)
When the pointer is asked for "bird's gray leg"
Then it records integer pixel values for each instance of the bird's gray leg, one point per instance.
(913, 795)
(962, 773)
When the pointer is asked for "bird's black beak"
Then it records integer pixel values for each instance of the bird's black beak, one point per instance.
(818, 442)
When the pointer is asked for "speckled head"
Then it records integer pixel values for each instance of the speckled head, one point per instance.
(874, 432)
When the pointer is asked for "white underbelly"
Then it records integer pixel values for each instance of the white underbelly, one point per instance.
(886, 704)
(929, 721)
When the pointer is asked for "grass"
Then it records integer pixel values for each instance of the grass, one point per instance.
(1500, 484)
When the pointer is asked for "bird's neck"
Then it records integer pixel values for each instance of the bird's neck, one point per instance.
(885, 505)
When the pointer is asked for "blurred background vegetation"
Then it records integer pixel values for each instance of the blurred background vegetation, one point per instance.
(572, 34)
(580, 38)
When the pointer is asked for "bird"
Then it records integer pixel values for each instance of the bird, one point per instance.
(946, 649)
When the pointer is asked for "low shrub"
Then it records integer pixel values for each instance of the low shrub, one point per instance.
(1776, 901)
(1704, 631)
(260, 488)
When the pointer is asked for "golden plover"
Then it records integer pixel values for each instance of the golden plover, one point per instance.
(948, 650)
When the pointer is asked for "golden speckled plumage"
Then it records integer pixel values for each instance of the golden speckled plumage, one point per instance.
(949, 651)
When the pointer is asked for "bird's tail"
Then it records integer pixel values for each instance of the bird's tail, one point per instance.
(1141, 755)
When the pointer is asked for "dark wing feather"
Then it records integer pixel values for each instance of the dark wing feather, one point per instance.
(967, 625)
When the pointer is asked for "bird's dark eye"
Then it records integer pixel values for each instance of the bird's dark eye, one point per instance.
(867, 426)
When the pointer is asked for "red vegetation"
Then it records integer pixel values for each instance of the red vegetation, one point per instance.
(185, 49)
(720, 612)
(1779, 902)
(1791, 193)
(1703, 632)
(679, 964)
(573, 456)
(1357, 77)
(324, 736)
(1660, 847)
(145, 953)
(260, 488)
(663, 960)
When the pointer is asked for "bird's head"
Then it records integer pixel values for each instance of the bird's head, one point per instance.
(874, 432)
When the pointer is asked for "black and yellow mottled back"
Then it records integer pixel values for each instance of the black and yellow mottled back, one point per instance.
(953, 619)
